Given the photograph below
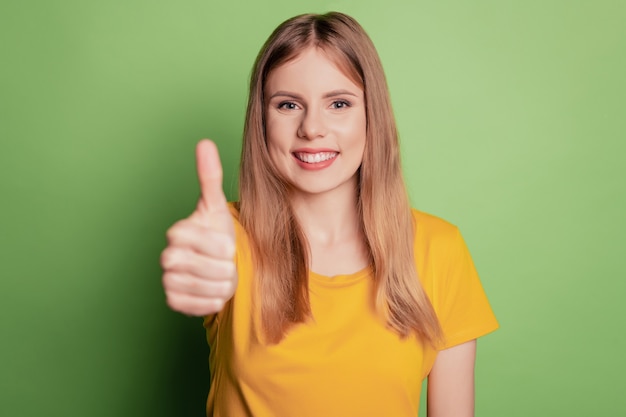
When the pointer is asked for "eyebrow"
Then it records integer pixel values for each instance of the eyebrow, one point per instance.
(330, 94)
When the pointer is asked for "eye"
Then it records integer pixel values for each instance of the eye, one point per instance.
(340, 104)
(287, 105)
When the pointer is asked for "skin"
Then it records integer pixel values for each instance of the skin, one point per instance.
(451, 382)
(199, 273)
(312, 105)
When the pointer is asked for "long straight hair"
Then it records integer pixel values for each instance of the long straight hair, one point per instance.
(278, 244)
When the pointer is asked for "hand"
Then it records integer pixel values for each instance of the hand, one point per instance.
(199, 273)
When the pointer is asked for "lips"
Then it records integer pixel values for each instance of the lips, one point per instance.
(314, 158)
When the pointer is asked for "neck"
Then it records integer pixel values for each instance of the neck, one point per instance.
(329, 217)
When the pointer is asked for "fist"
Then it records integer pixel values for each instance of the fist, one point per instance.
(199, 273)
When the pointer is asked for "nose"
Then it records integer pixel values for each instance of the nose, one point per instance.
(312, 125)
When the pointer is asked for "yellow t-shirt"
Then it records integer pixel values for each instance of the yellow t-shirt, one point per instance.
(346, 362)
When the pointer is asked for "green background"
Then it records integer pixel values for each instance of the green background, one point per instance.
(512, 121)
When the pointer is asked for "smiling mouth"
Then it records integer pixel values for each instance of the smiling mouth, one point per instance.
(314, 158)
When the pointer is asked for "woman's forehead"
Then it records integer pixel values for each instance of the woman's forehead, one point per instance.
(320, 56)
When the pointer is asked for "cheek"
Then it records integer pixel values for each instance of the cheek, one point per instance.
(276, 132)
(356, 129)
(275, 140)
(270, 134)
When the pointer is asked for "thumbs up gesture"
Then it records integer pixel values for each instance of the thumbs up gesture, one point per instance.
(199, 273)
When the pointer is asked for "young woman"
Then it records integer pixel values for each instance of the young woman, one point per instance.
(324, 293)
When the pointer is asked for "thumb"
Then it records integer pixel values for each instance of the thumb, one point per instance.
(212, 198)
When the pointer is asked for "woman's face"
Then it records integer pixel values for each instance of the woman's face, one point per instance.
(315, 123)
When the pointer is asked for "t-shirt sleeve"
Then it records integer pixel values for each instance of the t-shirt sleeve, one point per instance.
(461, 303)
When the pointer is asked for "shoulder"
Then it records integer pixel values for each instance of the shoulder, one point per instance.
(432, 229)
(437, 243)
(242, 240)
(449, 278)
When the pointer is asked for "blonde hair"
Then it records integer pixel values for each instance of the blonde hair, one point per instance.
(279, 247)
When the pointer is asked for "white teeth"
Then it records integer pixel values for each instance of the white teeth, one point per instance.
(314, 158)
